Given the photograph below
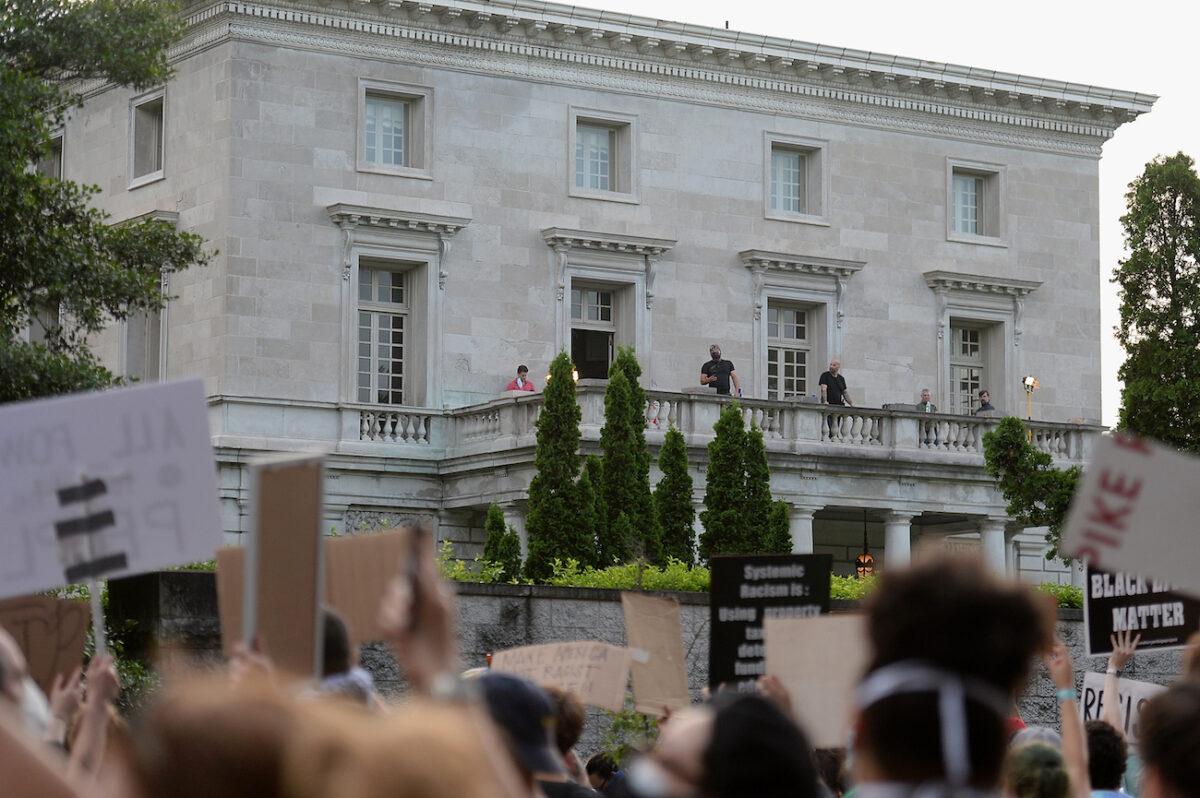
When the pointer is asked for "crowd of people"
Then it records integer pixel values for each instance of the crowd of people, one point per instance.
(951, 649)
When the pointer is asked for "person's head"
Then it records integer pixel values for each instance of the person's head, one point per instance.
(337, 650)
(740, 746)
(835, 366)
(569, 716)
(526, 716)
(1106, 755)
(831, 767)
(984, 397)
(925, 395)
(945, 627)
(1169, 737)
(523, 371)
(1036, 770)
(600, 769)
(714, 351)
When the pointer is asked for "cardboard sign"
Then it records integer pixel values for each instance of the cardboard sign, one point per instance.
(102, 485)
(1133, 696)
(282, 587)
(654, 632)
(596, 672)
(744, 592)
(1135, 510)
(820, 661)
(50, 632)
(231, 583)
(1118, 602)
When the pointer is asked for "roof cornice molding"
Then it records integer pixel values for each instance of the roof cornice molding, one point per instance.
(978, 284)
(729, 62)
(561, 239)
(758, 259)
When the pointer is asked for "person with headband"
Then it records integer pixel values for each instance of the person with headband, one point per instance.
(950, 644)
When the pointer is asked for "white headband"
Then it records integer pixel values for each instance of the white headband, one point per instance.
(953, 689)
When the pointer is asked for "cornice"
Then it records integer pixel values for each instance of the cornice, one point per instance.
(977, 284)
(170, 217)
(758, 259)
(560, 239)
(349, 218)
(563, 44)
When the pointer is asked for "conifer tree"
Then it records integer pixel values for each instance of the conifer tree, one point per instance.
(553, 520)
(757, 515)
(725, 487)
(502, 546)
(647, 535)
(779, 535)
(593, 466)
(673, 500)
(589, 501)
(619, 472)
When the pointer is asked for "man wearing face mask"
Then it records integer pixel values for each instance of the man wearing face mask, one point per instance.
(718, 373)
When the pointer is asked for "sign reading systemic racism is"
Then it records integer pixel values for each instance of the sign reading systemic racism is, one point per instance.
(1122, 602)
(1133, 696)
(102, 485)
(747, 590)
(1135, 510)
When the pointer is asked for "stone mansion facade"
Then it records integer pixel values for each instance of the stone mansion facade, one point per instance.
(409, 199)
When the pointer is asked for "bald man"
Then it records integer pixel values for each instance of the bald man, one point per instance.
(833, 385)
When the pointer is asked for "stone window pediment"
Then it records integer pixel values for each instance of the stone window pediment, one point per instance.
(607, 251)
(826, 275)
(423, 231)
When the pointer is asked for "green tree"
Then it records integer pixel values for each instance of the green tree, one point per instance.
(725, 488)
(673, 500)
(779, 533)
(619, 473)
(502, 546)
(1038, 494)
(648, 536)
(757, 513)
(590, 503)
(60, 258)
(1160, 304)
(593, 466)
(552, 522)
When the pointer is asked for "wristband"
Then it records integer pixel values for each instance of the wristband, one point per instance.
(1065, 694)
(1112, 671)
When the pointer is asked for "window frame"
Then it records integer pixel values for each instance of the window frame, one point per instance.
(815, 153)
(990, 202)
(782, 344)
(60, 136)
(978, 362)
(137, 181)
(418, 128)
(378, 308)
(623, 159)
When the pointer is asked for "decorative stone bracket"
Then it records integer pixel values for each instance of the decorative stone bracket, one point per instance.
(642, 252)
(350, 218)
(943, 283)
(761, 262)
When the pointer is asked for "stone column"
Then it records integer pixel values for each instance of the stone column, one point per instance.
(1012, 559)
(800, 525)
(991, 543)
(514, 516)
(697, 525)
(897, 539)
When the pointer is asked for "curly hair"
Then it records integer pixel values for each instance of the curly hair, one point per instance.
(1036, 771)
(1106, 755)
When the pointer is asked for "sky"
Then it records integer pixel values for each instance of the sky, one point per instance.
(1146, 47)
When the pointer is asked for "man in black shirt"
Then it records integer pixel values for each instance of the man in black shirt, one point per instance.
(985, 403)
(833, 386)
(717, 373)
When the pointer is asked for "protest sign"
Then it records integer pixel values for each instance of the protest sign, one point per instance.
(596, 672)
(1120, 602)
(654, 633)
(819, 661)
(746, 590)
(282, 579)
(1135, 510)
(1133, 696)
(231, 582)
(50, 632)
(102, 485)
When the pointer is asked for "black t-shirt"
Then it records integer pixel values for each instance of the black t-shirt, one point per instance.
(566, 789)
(721, 370)
(835, 388)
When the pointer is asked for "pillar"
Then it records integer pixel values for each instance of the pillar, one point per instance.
(991, 543)
(1012, 557)
(514, 516)
(697, 525)
(800, 525)
(897, 539)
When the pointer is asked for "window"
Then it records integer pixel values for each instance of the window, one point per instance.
(795, 179)
(52, 164)
(788, 351)
(593, 331)
(394, 129)
(146, 144)
(46, 326)
(143, 339)
(975, 198)
(383, 315)
(967, 361)
(603, 155)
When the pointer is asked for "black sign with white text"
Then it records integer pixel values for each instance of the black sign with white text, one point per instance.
(744, 591)
(1117, 602)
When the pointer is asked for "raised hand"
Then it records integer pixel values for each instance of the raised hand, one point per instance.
(1058, 662)
(66, 694)
(1124, 644)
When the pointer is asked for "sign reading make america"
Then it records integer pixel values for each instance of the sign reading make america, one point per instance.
(1124, 602)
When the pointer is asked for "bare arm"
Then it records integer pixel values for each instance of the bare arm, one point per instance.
(846, 399)
(1124, 644)
(27, 769)
(1074, 742)
(824, 390)
(737, 384)
(103, 686)
(705, 379)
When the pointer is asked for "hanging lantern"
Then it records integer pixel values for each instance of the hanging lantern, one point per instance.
(864, 564)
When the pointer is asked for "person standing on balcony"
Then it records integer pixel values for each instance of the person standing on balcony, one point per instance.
(926, 405)
(521, 381)
(985, 403)
(718, 373)
(833, 385)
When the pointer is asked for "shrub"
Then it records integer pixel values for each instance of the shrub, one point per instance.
(673, 500)
(502, 546)
(1064, 595)
(725, 488)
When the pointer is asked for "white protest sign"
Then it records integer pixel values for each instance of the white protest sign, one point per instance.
(1136, 509)
(596, 672)
(1133, 696)
(820, 661)
(108, 484)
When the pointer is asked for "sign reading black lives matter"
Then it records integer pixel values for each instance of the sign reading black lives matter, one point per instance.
(745, 591)
(1120, 602)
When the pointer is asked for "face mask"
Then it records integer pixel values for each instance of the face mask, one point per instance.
(35, 710)
(647, 780)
